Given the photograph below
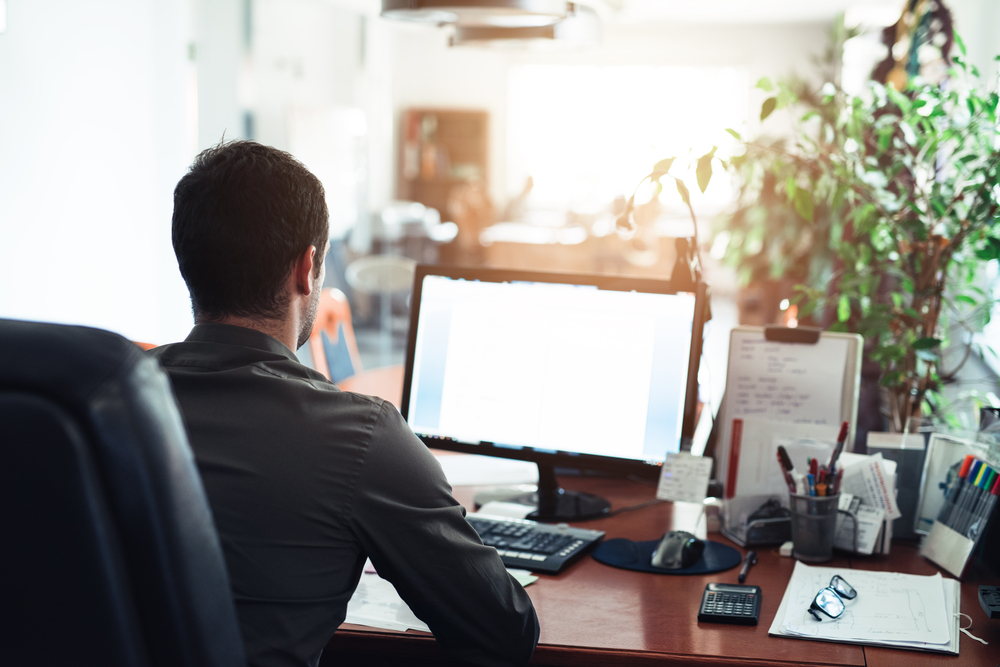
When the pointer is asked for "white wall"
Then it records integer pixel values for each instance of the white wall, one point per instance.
(94, 133)
(426, 72)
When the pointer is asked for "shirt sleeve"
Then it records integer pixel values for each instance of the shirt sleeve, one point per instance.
(416, 535)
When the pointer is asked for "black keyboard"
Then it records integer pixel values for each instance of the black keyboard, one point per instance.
(534, 546)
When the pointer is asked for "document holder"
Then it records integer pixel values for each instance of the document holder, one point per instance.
(794, 383)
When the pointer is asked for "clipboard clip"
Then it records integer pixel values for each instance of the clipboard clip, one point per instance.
(808, 335)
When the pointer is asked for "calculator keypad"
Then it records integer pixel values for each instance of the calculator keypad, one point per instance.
(725, 603)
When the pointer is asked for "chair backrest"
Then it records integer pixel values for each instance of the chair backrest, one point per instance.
(333, 317)
(109, 553)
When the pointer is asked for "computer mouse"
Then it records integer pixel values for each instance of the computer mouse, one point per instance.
(678, 550)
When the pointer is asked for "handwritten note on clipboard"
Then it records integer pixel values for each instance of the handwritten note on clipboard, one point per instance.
(782, 383)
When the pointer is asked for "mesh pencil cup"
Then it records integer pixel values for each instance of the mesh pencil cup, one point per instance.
(814, 526)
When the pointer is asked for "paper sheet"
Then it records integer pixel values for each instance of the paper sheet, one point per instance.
(376, 604)
(873, 479)
(788, 383)
(889, 607)
(952, 596)
(869, 522)
(684, 478)
(758, 472)
(472, 470)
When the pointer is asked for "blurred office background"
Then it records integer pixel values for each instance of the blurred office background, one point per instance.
(517, 155)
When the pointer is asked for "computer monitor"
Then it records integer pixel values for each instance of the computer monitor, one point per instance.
(573, 371)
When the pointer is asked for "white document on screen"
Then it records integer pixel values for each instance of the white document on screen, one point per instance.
(565, 380)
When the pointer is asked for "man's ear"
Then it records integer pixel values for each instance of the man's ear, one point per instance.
(302, 272)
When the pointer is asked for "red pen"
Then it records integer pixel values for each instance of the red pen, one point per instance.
(814, 467)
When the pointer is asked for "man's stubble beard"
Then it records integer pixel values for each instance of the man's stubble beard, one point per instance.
(310, 318)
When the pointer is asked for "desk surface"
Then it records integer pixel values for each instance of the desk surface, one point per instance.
(592, 614)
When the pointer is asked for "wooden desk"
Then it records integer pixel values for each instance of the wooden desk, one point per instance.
(595, 615)
(592, 614)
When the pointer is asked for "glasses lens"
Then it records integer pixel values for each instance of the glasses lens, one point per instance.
(844, 589)
(828, 602)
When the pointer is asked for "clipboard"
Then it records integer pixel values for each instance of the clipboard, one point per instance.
(800, 382)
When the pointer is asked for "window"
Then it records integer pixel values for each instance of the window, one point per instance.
(586, 134)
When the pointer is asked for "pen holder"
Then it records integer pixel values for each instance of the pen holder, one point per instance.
(814, 526)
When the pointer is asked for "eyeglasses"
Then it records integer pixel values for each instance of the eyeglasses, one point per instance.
(830, 600)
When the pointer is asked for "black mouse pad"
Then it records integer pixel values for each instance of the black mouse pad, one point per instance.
(638, 556)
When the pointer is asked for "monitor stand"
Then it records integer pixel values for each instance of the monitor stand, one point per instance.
(553, 504)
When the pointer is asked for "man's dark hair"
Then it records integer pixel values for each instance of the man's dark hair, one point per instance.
(242, 215)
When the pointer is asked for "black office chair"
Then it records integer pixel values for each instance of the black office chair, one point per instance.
(108, 554)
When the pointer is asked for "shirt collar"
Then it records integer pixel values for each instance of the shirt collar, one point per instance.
(229, 334)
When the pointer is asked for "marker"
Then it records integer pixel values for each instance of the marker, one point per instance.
(979, 493)
(751, 559)
(972, 492)
(987, 488)
(812, 484)
(963, 494)
(786, 466)
(841, 439)
(992, 500)
(956, 487)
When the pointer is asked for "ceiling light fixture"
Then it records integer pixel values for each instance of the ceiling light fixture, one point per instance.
(484, 13)
(580, 28)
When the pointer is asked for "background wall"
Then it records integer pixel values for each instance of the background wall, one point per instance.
(104, 103)
(94, 132)
(426, 72)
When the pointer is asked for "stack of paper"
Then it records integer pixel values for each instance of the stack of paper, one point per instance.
(891, 609)
(872, 481)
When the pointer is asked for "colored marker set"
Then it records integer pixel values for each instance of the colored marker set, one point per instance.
(819, 480)
(971, 498)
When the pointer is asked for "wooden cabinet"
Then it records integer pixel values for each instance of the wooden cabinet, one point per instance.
(439, 150)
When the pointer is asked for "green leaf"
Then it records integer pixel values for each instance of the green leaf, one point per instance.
(961, 44)
(804, 203)
(965, 298)
(767, 108)
(844, 308)
(765, 84)
(735, 134)
(704, 169)
(683, 191)
(926, 343)
(662, 167)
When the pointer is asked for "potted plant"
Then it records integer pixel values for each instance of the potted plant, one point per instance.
(908, 183)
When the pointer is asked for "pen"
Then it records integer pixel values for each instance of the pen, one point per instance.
(841, 439)
(751, 559)
(812, 484)
(786, 466)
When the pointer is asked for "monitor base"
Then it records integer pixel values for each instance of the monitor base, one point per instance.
(552, 504)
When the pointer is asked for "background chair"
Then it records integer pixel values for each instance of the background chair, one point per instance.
(332, 345)
(109, 554)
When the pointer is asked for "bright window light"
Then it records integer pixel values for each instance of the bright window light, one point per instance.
(587, 134)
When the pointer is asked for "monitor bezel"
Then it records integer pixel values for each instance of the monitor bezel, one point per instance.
(591, 462)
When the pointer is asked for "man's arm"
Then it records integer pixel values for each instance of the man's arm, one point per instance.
(417, 537)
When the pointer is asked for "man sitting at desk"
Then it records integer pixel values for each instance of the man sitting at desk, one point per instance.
(306, 481)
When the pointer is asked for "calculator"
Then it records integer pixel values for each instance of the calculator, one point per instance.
(730, 603)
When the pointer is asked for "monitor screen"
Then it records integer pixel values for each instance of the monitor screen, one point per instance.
(526, 365)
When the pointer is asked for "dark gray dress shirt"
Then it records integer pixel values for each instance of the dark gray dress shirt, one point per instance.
(306, 481)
